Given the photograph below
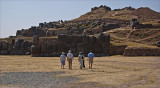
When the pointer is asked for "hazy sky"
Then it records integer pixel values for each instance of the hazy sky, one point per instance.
(18, 14)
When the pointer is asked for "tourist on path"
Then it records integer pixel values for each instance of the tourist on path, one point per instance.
(69, 58)
(62, 60)
(90, 57)
(81, 60)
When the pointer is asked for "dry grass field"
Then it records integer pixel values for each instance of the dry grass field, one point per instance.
(107, 72)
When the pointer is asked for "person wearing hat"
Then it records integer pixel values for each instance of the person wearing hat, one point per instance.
(62, 60)
(81, 60)
(69, 58)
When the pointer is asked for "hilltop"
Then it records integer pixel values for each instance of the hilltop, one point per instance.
(143, 14)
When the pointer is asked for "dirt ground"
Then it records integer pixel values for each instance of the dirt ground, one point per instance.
(107, 72)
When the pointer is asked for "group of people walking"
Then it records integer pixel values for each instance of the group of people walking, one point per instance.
(81, 59)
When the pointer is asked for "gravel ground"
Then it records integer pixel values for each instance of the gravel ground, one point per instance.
(34, 80)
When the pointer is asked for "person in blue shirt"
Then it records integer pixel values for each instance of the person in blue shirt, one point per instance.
(90, 57)
(62, 60)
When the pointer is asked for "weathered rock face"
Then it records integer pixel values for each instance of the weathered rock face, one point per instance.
(31, 31)
(4, 52)
(0, 45)
(134, 24)
(16, 47)
(4, 45)
(77, 43)
(158, 44)
(35, 50)
(117, 50)
(106, 27)
(35, 39)
(142, 52)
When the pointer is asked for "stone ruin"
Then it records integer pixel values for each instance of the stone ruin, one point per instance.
(102, 6)
(76, 43)
(72, 27)
(135, 24)
(134, 51)
(100, 45)
(16, 47)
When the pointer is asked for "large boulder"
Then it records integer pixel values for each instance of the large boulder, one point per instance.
(25, 33)
(17, 44)
(80, 47)
(97, 48)
(14, 52)
(4, 52)
(35, 50)
(117, 49)
(26, 44)
(10, 47)
(107, 38)
(0, 45)
(62, 37)
(13, 41)
(106, 27)
(93, 39)
(44, 48)
(50, 47)
(158, 44)
(106, 48)
(19, 33)
(69, 39)
(4, 45)
(86, 39)
(101, 37)
(55, 47)
(35, 39)
(76, 39)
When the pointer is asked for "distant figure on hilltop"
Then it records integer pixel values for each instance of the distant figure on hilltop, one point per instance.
(90, 57)
(69, 58)
(62, 60)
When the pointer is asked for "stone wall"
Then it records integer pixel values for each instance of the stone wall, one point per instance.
(135, 24)
(142, 52)
(16, 47)
(117, 50)
(76, 43)
(71, 27)
(31, 31)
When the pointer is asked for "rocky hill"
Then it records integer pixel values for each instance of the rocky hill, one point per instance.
(125, 28)
(143, 13)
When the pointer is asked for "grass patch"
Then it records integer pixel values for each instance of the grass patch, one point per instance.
(113, 71)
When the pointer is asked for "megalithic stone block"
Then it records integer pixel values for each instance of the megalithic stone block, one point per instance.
(35, 50)
(0, 45)
(35, 39)
(5, 45)
(80, 47)
(101, 38)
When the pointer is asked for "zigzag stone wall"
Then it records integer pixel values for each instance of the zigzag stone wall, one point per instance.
(76, 43)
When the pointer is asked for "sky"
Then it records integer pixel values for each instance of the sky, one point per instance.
(22, 14)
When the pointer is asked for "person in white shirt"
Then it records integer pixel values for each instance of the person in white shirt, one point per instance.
(81, 60)
(62, 60)
(69, 58)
